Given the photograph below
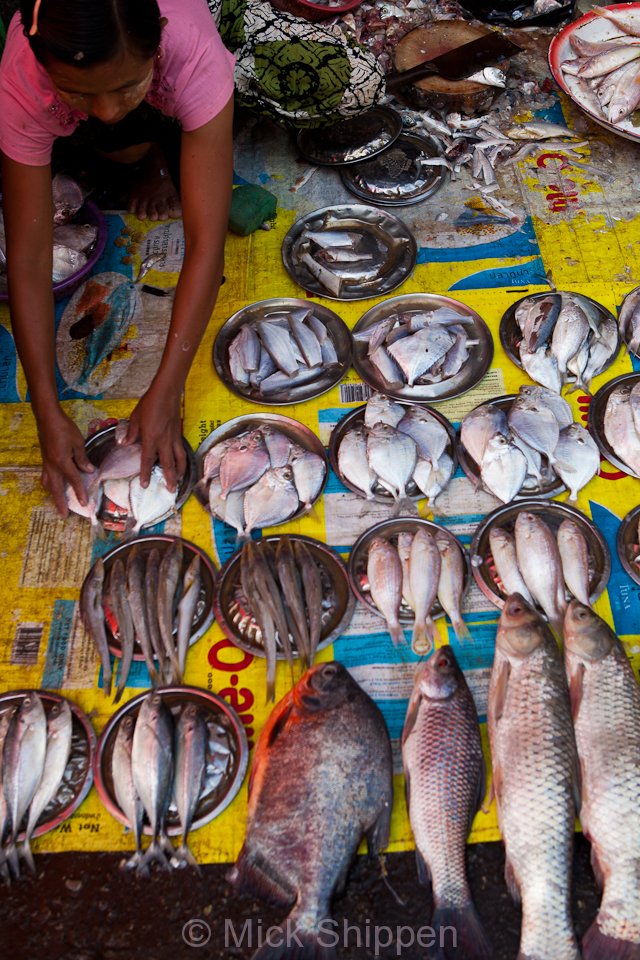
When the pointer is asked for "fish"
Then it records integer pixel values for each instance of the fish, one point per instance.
(306, 341)
(326, 278)
(309, 472)
(169, 576)
(263, 573)
(569, 333)
(539, 130)
(629, 320)
(66, 262)
(152, 771)
(294, 598)
(392, 456)
(23, 759)
(420, 352)
(187, 609)
(428, 434)
(537, 319)
(312, 584)
(451, 583)
(245, 347)
(261, 614)
(541, 566)
(622, 19)
(424, 576)
(151, 581)
(382, 409)
(136, 570)
(119, 603)
(542, 366)
(277, 342)
(503, 468)
(278, 445)
(542, 396)
(353, 462)
(536, 425)
(150, 504)
(403, 547)
(124, 787)
(387, 367)
(634, 403)
(243, 463)
(503, 550)
(605, 701)
(230, 510)
(5, 722)
(574, 553)
(445, 778)
(94, 495)
(189, 776)
(67, 195)
(619, 427)
(534, 760)
(326, 730)
(577, 458)
(92, 614)
(272, 500)
(384, 575)
(479, 426)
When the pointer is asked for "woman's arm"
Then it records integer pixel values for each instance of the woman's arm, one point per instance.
(206, 172)
(28, 215)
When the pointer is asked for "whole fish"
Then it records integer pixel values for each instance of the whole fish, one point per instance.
(420, 352)
(574, 552)
(451, 583)
(354, 463)
(619, 427)
(541, 565)
(294, 599)
(245, 348)
(149, 504)
(187, 608)
(536, 425)
(278, 445)
(424, 576)
(605, 698)
(403, 546)
(542, 366)
(392, 456)
(263, 573)
(479, 426)
(384, 573)
(570, 330)
(151, 581)
(577, 458)
(278, 344)
(243, 463)
(152, 770)
(169, 576)
(5, 721)
(534, 760)
(191, 764)
(136, 571)
(634, 403)
(430, 437)
(92, 613)
(262, 616)
(309, 472)
(550, 399)
(629, 320)
(445, 782)
(537, 319)
(381, 409)
(230, 510)
(124, 787)
(503, 469)
(118, 599)
(503, 551)
(433, 481)
(23, 756)
(272, 500)
(312, 584)
(324, 753)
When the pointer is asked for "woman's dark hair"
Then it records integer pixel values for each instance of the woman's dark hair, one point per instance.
(83, 33)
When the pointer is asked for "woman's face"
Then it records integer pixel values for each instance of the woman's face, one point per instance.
(107, 91)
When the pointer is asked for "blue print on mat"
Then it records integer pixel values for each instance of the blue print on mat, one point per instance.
(58, 645)
(521, 243)
(8, 368)
(523, 274)
(624, 594)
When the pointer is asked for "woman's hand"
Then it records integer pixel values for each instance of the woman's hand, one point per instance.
(156, 424)
(64, 459)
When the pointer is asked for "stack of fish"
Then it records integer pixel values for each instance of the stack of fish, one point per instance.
(541, 565)
(530, 445)
(563, 337)
(259, 478)
(34, 750)
(336, 257)
(629, 321)
(409, 574)
(147, 598)
(622, 424)
(282, 590)
(287, 348)
(397, 450)
(608, 71)
(416, 347)
(158, 760)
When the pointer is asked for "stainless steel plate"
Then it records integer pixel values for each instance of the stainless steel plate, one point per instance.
(471, 373)
(553, 513)
(596, 415)
(327, 377)
(389, 530)
(384, 237)
(78, 775)
(511, 335)
(354, 419)
(226, 763)
(97, 447)
(351, 140)
(238, 624)
(203, 617)
(628, 544)
(399, 175)
(297, 431)
(551, 486)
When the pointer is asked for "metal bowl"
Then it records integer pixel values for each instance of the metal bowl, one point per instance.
(353, 139)
(399, 175)
(628, 544)
(551, 486)
(203, 617)
(389, 530)
(226, 764)
(595, 421)
(471, 373)
(327, 377)
(553, 513)
(78, 775)
(380, 493)
(242, 630)
(384, 237)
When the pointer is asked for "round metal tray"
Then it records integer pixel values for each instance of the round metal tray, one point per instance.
(389, 530)
(467, 377)
(78, 775)
(628, 544)
(351, 140)
(226, 764)
(327, 377)
(242, 630)
(385, 237)
(203, 617)
(551, 488)
(553, 513)
(98, 446)
(381, 494)
(595, 421)
(398, 176)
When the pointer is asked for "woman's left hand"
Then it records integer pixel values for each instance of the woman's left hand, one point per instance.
(155, 423)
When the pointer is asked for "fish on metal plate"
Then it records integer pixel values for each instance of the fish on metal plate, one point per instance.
(424, 576)
(150, 504)
(382, 409)
(392, 457)
(230, 510)
(451, 583)
(605, 699)
(262, 564)
(445, 777)
(136, 570)
(309, 472)
(536, 425)
(124, 787)
(533, 458)
(262, 616)
(246, 347)
(152, 770)
(384, 574)
(537, 319)
(503, 468)
(324, 753)
(5, 721)
(169, 577)
(540, 564)
(354, 463)
(294, 598)
(187, 609)
(542, 366)
(503, 550)
(94, 494)
(574, 552)
(23, 756)
(119, 603)
(278, 445)
(634, 403)
(272, 500)
(151, 581)
(92, 613)
(542, 396)
(479, 426)
(190, 769)
(387, 368)
(570, 331)
(403, 546)
(243, 463)
(577, 458)
(306, 341)
(620, 429)
(312, 585)
(534, 762)
(278, 344)
(629, 320)
(429, 435)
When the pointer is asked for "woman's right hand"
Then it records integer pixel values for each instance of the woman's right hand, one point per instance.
(64, 459)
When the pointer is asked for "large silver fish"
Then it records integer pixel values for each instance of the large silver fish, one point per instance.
(540, 564)
(451, 583)
(354, 463)
(503, 468)
(152, 769)
(577, 458)
(124, 787)
(426, 431)
(92, 613)
(620, 429)
(136, 571)
(503, 550)
(119, 602)
(384, 573)
(22, 765)
(244, 462)
(191, 764)
(272, 500)
(187, 608)
(424, 577)
(392, 456)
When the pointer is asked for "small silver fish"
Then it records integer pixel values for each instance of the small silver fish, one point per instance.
(384, 573)
(272, 500)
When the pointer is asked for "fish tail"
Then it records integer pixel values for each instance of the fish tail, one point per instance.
(396, 633)
(405, 507)
(27, 856)
(422, 637)
(132, 862)
(11, 857)
(107, 679)
(153, 852)
(597, 946)
(458, 932)
(461, 630)
(289, 943)
(119, 692)
(183, 857)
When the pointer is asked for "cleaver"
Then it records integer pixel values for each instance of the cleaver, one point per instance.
(460, 62)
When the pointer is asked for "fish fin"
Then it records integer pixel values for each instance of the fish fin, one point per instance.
(27, 856)
(396, 633)
(119, 692)
(12, 859)
(378, 834)
(252, 874)
(500, 691)
(153, 852)
(405, 507)
(458, 932)
(597, 869)
(482, 789)
(424, 874)
(512, 881)
(576, 688)
(183, 858)
(290, 943)
(461, 630)
(131, 863)
(413, 709)
(597, 946)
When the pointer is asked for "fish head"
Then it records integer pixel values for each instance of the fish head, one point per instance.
(322, 688)
(439, 678)
(282, 475)
(585, 634)
(521, 629)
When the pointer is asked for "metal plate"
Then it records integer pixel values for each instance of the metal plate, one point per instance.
(398, 176)
(628, 544)
(552, 486)
(226, 764)
(297, 431)
(511, 335)
(389, 530)
(203, 617)
(553, 513)
(385, 237)
(352, 140)
(327, 377)
(354, 419)
(78, 775)
(98, 446)
(595, 421)
(239, 626)
(467, 377)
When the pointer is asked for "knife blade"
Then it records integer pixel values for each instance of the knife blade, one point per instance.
(460, 62)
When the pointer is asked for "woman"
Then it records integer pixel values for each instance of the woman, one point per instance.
(115, 68)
